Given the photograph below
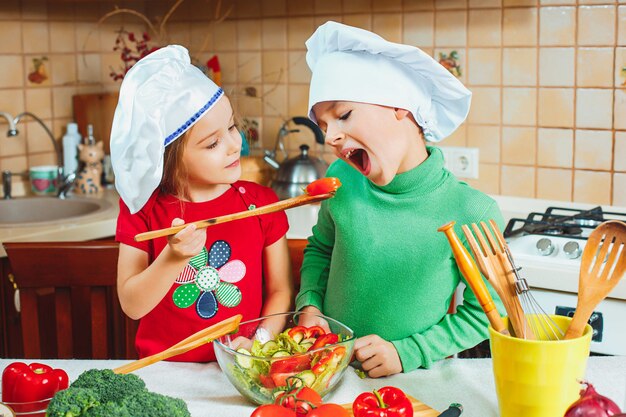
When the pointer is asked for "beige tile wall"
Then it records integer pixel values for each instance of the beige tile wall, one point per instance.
(549, 108)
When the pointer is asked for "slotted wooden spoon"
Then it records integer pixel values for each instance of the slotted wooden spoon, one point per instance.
(598, 278)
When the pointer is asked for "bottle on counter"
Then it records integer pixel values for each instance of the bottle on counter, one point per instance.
(71, 140)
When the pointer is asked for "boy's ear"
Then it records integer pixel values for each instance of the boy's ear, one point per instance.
(401, 113)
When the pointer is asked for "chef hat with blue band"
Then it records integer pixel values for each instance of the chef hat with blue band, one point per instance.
(352, 64)
(161, 97)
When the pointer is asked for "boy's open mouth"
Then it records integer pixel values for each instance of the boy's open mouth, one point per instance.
(359, 159)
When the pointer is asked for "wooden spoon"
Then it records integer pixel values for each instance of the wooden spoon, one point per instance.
(198, 339)
(598, 278)
(300, 200)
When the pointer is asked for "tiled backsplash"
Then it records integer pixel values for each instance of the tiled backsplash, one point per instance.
(549, 105)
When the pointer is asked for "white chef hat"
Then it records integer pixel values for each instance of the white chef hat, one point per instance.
(161, 97)
(352, 64)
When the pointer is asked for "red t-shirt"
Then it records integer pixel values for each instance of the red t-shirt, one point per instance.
(225, 279)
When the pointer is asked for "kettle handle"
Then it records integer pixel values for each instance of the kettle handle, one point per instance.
(319, 135)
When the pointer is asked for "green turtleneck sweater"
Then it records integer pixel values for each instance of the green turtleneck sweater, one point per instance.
(376, 262)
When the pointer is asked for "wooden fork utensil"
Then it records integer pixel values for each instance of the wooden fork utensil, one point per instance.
(602, 266)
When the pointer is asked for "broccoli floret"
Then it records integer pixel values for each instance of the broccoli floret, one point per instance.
(151, 404)
(110, 386)
(109, 409)
(72, 402)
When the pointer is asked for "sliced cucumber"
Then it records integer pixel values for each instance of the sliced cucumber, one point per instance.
(280, 354)
(308, 377)
(244, 359)
(310, 340)
(268, 347)
(306, 346)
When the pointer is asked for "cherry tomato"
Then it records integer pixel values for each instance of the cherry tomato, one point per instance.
(329, 410)
(301, 400)
(272, 410)
(323, 186)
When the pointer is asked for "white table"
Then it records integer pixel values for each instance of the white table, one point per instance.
(208, 392)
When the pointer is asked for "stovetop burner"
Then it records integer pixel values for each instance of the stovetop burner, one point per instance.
(561, 221)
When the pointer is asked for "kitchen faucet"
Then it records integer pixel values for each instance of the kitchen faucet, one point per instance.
(63, 182)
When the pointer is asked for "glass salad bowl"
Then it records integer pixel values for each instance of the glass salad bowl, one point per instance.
(268, 355)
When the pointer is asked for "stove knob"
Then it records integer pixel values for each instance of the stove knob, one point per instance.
(572, 249)
(545, 247)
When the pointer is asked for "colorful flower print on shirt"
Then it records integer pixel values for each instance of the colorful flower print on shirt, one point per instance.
(209, 278)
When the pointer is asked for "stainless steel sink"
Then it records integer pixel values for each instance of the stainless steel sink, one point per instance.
(41, 210)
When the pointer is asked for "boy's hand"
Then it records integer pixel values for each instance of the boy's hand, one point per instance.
(309, 320)
(378, 357)
(188, 242)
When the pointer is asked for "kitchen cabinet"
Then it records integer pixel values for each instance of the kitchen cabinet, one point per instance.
(11, 333)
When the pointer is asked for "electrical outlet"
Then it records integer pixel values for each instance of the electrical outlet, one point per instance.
(462, 162)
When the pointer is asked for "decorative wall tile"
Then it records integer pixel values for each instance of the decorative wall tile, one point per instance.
(249, 68)
(62, 36)
(419, 29)
(201, 38)
(62, 101)
(39, 102)
(590, 18)
(594, 67)
(488, 179)
(228, 64)
(619, 121)
(519, 66)
(389, 26)
(556, 67)
(556, 2)
(226, 32)
(596, 1)
(619, 157)
(298, 31)
(518, 181)
(359, 6)
(321, 19)
(519, 27)
(593, 108)
(486, 105)
(363, 21)
(519, 106)
(87, 37)
(275, 101)
(249, 34)
(557, 26)
(479, 4)
(485, 27)
(298, 70)
(13, 71)
(554, 184)
(484, 66)
(10, 36)
(298, 99)
(451, 28)
(556, 107)
(619, 190)
(592, 187)
(386, 6)
(509, 3)
(620, 67)
(274, 34)
(36, 159)
(63, 69)
(450, 4)
(37, 138)
(487, 140)
(248, 8)
(621, 26)
(593, 149)
(274, 66)
(408, 5)
(555, 147)
(457, 138)
(13, 146)
(274, 7)
(519, 145)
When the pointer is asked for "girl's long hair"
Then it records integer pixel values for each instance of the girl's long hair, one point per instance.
(175, 175)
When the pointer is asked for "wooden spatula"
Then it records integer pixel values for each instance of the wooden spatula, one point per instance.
(597, 277)
(195, 340)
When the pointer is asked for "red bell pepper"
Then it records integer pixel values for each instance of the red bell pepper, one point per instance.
(325, 339)
(384, 402)
(328, 358)
(34, 382)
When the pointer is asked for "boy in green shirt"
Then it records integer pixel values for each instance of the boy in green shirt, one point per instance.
(376, 261)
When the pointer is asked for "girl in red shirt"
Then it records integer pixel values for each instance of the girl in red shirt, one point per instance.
(175, 150)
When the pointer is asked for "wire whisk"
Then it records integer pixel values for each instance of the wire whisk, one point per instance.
(538, 324)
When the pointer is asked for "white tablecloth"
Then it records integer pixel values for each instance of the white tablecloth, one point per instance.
(208, 392)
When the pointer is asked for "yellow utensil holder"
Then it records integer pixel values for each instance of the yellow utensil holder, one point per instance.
(538, 378)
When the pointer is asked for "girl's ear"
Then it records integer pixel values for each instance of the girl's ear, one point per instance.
(401, 113)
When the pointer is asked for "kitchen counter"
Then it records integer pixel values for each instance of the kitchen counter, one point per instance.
(467, 381)
(301, 220)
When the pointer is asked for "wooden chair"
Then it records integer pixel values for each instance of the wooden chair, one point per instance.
(69, 303)
(296, 252)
